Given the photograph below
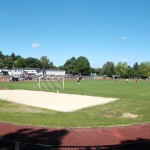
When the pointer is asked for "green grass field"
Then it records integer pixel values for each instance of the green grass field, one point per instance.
(134, 99)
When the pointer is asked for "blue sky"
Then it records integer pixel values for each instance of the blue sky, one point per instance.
(101, 30)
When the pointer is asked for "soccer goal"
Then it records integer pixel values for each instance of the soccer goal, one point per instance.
(50, 83)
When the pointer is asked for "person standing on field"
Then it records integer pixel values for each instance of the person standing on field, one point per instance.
(78, 80)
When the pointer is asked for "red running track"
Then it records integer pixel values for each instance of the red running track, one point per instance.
(75, 136)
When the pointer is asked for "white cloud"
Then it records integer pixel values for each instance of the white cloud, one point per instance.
(122, 37)
(35, 45)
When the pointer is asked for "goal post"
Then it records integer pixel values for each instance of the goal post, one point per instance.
(39, 82)
(63, 83)
(50, 83)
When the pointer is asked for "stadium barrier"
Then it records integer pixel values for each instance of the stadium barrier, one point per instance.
(30, 79)
(15, 145)
(4, 78)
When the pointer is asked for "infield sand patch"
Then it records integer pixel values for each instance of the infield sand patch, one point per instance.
(55, 101)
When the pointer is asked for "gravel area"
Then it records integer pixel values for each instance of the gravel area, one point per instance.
(55, 101)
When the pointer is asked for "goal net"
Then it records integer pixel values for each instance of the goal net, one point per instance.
(49, 83)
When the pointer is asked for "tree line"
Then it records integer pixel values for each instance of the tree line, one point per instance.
(76, 66)
(16, 61)
(82, 65)
(141, 70)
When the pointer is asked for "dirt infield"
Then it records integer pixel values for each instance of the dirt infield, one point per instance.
(55, 101)
(75, 136)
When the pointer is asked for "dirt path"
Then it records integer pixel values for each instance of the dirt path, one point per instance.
(75, 136)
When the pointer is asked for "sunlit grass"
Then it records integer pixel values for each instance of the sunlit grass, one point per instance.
(134, 98)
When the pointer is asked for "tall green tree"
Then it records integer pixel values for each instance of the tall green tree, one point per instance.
(121, 69)
(70, 66)
(144, 70)
(13, 56)
(98, 71)
(108, 69)
(135, 70)
(20, 63)
(1, 63)
(60, 67)
(92, 70)
(44, 62)
(83, 65)
(8, 62)
(130, 72)
(33, 62)
(2, 56)
(52, 66)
